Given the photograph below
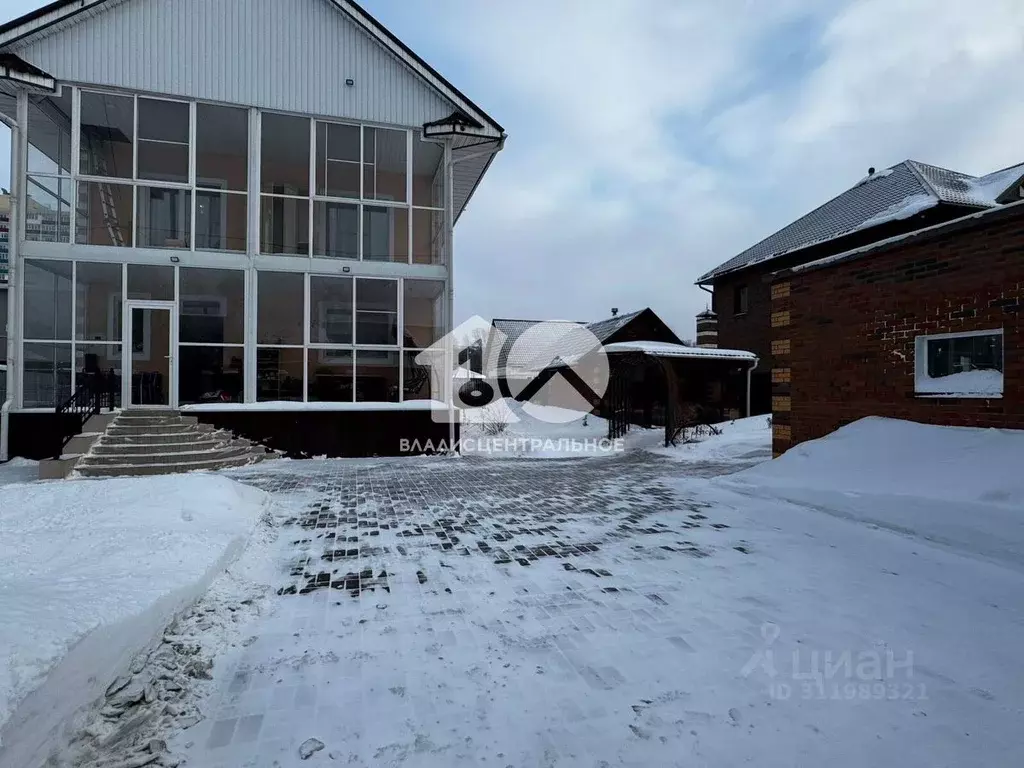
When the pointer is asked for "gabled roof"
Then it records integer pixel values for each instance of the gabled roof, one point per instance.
(604, 329)
(551, 341)
(469, 115)
(899, 192)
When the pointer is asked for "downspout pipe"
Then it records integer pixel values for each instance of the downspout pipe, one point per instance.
(750, 370)
(13, 347)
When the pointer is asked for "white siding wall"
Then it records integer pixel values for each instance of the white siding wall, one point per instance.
(291, 55)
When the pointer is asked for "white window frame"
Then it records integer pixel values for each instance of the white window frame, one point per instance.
(921, 365)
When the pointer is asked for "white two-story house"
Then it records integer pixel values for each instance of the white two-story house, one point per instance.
(228, 202)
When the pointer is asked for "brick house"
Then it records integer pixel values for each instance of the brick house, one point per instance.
(930, 328)
(906, 197)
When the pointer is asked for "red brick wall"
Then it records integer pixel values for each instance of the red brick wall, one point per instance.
(852, 328)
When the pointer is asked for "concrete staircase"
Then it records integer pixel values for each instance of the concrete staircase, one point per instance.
(162, 443)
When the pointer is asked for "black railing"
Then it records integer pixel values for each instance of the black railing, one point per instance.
(94, 394)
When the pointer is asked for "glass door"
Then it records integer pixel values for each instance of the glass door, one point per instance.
(151, 342)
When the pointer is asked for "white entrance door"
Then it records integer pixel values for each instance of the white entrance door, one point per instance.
(151, 340)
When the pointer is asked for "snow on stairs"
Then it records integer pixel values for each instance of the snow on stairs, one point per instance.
(162, 443)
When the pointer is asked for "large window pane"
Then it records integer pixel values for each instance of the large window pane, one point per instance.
(330, 375)
(210, 375)
(98, 366)
(163, 140)
(220, 221)
(427, 237)
(417, 383)
(147, 281)
(427, 172)
(48, 217)
(376, 376)
(336, 230)
(222, 147)
(337, 160)
(49, 134)
(165, 218)
(384, 164)
(385, 233)
(424, 313)
(211, 306)
(330, 310)
(284, 225)
(47, 377)
(98, 302)
(47, 305)
(108, 128)
(376, 311)
(104, 214)
(279, 374)
(284, 159)
(280, 299)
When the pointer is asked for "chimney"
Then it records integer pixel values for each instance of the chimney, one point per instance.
(615, 311)
(707, 329)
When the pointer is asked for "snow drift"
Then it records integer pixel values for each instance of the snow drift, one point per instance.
(957, 486)
(90, 572)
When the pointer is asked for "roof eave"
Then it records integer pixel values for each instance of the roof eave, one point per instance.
(489, 126)
(21, 72)
(41, 18)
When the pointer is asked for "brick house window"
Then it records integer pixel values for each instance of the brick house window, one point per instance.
(959, 364)
(739, 300)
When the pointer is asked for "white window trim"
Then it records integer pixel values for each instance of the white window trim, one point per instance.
(921, 365)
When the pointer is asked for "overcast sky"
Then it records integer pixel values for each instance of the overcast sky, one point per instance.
(651, 140)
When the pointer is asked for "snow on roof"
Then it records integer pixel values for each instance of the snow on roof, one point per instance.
(663, 349)
(604, 329)
(854, 252)
(899, 192)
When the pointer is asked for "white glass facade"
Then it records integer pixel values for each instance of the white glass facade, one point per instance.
(185, 252)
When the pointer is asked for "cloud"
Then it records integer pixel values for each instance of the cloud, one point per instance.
(646, 147)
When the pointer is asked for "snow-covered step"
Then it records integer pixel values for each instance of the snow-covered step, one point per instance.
(114, 470)
(148, 443)
(180, 457)
(166, 428)
(113, 446)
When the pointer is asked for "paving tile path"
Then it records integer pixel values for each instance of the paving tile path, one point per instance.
(602, 612)
(463, 612)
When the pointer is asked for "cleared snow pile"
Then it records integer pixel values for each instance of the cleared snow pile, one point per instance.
(510, 429)
(19, 470)
(741, 440)
(90, 573)
(958, 486)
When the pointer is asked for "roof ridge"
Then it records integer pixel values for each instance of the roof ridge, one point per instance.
(912, 166)
(927, 188)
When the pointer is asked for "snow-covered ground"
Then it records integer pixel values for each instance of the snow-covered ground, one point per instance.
(954, 486)
(19, 470)
(90, 572)
(747, 440)
(826, 608)
(509, 429)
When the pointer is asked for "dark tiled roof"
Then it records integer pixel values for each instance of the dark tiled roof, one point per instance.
(603, 329)
(895, 193)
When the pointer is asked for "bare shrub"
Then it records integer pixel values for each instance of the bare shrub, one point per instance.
(693, 424)
(494, 420)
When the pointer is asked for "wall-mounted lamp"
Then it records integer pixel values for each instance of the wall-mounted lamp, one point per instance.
(349, 82)
(175, 259)
(346, 269)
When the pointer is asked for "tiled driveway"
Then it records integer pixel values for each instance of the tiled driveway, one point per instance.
(467, 612)
(603, 612)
